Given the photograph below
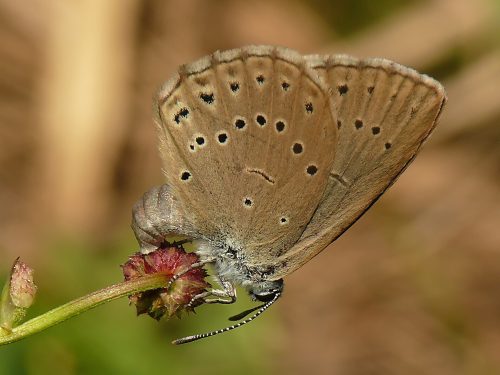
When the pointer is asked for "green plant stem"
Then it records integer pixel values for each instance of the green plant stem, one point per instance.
(80, 305)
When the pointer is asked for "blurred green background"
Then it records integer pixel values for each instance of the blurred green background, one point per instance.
(412, 288)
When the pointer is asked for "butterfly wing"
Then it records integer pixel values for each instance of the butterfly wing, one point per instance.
(247, 138)
(384, 113)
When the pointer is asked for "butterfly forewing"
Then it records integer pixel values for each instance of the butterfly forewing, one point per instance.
(248, 139)
(383, 113)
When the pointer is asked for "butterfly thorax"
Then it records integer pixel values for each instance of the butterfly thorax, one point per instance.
(231, 265)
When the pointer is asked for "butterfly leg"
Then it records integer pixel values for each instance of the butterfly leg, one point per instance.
(225, 295)
(158, 215)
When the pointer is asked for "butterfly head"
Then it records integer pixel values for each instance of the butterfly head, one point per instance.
(265, 291)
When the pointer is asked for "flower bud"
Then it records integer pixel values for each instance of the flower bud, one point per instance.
(17, 295)
(169, 260)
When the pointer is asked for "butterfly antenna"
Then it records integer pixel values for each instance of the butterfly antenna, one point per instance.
(264, 307)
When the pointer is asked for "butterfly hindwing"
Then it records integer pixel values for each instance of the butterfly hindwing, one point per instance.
(384, 112)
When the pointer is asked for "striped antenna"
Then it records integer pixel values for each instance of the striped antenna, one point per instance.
(187, 339)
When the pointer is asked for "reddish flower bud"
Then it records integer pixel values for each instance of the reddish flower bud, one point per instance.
(169, 260)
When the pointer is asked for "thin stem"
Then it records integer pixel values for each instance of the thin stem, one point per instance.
(82, 304)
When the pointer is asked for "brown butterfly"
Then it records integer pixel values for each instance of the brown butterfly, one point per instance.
(269, 156)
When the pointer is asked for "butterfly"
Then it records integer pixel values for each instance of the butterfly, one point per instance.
(269, 156)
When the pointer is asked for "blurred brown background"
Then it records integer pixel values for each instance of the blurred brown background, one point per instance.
(412, 288)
